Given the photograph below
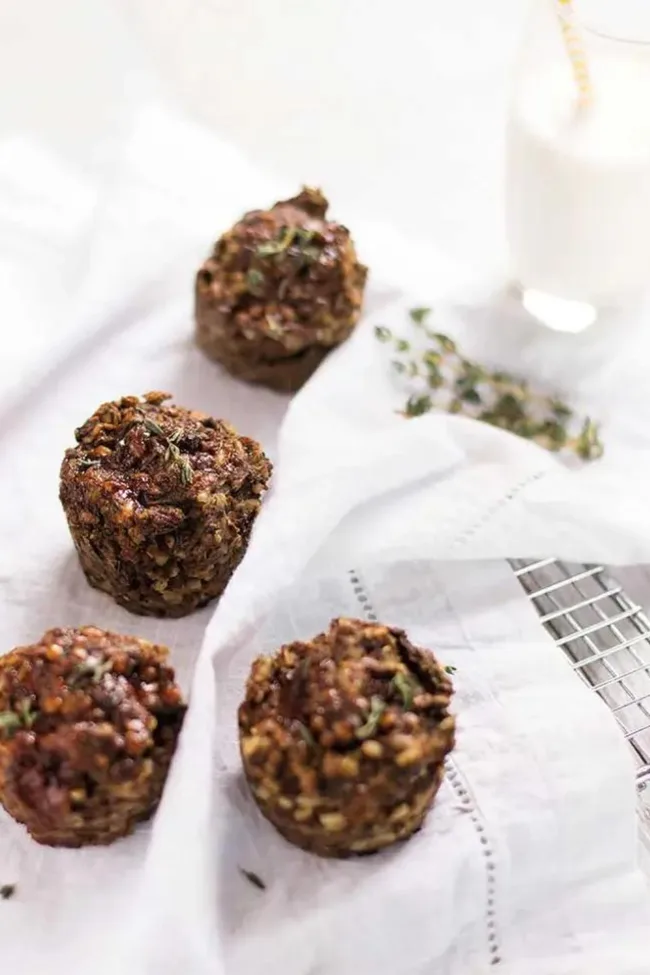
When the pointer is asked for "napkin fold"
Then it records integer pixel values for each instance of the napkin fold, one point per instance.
(527, 859)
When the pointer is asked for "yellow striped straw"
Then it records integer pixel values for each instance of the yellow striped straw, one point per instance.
(575, 50)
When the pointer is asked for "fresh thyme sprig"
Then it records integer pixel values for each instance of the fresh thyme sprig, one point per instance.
(446, 380)
(377, 708)
(91, 667)
(306, 735)
(298, 241)
(26, 713)
(173, 454)
(9, 722)
(85, 463)
(23, 716)
(299, 244)
(254, 281)
(406, 688)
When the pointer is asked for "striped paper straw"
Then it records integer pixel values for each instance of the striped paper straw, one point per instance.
(575, 50)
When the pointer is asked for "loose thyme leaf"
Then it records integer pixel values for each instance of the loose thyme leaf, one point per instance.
(588, 444)
(310, 254)
(471, 395)
(412, 369)
(445, 343)
(253, 879)
(561, 410)
(272, 247)
(419, 315)
(418, 405)
(471, 373)
(554, 433)
(306, 734)
(254, 280)
(432, 360)
(7, 891)
(173, 454)
(93, 668)
(287, 237)
(153, 427)
(377, 708)
(450, 670)
(406, 688)
(27, 716)
(306, 245)
(382, 333)
(9, 722)
(187, 474)
(304, 235)
(461, 386)
(268, 249)
(274, 324)
(282, 243)
(103, 668)
(509, 408)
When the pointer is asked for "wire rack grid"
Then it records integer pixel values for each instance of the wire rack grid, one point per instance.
(606, 637)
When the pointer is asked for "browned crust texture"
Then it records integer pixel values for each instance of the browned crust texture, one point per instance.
(343, 738)
(89, 722)
(281, 289)
(160, 501)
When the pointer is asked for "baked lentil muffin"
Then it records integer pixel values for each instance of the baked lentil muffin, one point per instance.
(343, 737)
(88, 726)
(160, 501)
(282, 288)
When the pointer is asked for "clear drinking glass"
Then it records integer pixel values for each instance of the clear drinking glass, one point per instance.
(578, 169)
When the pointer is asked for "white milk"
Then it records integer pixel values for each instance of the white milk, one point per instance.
(578, 194)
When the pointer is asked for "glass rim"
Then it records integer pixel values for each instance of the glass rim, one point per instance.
(614, 38)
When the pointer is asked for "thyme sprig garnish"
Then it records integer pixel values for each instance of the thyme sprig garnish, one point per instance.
(447, 380)
(9, 722)
(85, 463)
(406, 688)
(23, 716)
(295, 241)
(377, 708)
(299, 245)
(26, 713)
(255, 281)
(91, 667)
(173, 454)
(253, 878)
(306, 735)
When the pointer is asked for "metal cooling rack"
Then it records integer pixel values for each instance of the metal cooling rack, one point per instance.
(606, 637)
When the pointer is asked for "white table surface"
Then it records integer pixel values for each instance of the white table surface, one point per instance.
(397, 109)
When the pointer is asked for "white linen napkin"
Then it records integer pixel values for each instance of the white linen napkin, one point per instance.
(96, 301)
(340, 487)
(526, 861)
(505, 496)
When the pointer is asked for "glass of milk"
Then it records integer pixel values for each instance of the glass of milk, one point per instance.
(578, 175)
